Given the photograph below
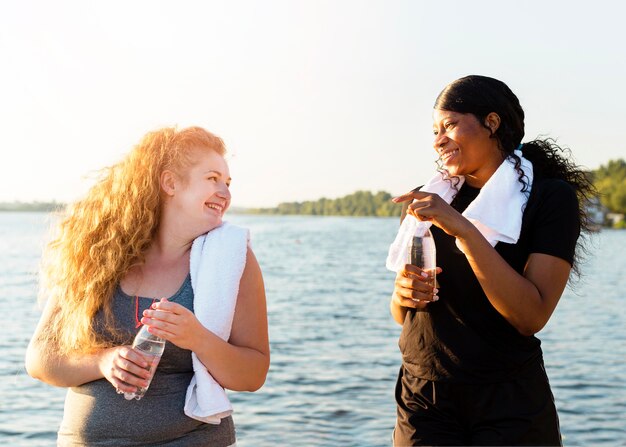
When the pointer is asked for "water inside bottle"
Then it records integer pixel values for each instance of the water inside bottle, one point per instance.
(423, 254)
(153, 362)
(152, 350)
(150, 346)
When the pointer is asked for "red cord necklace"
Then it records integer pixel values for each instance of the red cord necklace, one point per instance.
(137, 320)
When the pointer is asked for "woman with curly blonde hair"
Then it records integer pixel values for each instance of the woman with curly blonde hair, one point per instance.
(127, 243)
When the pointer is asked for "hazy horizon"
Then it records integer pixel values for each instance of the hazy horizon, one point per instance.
(313, 98)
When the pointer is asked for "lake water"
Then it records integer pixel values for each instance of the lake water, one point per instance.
(334, 344)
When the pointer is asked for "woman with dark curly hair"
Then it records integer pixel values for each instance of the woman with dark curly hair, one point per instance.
(506, 218)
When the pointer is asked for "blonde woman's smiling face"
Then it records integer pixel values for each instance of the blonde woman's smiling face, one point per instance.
(202, 197)
(465, 146)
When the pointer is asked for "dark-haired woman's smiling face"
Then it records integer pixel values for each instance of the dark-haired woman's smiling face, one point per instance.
(465, 147)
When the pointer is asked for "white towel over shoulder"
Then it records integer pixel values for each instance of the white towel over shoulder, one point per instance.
(217, 262)
(496, 212)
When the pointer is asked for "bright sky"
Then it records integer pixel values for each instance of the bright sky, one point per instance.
(313, 98)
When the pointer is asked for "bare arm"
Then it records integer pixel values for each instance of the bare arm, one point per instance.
(121, 365)
(526, 301)
(241, 364)
(43, 362)
(412, 288)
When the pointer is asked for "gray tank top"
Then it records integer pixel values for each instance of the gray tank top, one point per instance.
(96, 415)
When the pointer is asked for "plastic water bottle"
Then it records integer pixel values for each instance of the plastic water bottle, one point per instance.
(152, 348)
(422, 253)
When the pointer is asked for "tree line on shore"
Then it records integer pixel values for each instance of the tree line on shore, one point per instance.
(360, 203)
(31, 206)
(609, 179)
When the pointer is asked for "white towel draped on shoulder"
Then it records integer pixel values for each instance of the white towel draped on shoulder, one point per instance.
(496, 212)
(217, 261)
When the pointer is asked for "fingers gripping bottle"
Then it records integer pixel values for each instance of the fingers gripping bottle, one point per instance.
(152, 348)
(422, 253)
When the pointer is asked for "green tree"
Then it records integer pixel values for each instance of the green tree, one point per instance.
(610, 180)
(360, 203)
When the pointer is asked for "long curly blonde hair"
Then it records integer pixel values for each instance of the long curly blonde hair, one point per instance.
(100, 237)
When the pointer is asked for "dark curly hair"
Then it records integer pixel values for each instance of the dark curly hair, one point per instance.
(482, 95)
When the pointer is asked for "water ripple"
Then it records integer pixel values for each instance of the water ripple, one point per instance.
(334, 345)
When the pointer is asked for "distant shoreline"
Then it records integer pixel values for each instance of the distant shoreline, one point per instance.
(43, 207)
(360, 203)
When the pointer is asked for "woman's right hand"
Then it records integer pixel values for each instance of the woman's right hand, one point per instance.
(125, 368)
(414, 288)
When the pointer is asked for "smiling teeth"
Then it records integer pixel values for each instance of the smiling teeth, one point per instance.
(214, 206)
(447, 154)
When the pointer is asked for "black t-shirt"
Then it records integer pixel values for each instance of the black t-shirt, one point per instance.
(461, 337)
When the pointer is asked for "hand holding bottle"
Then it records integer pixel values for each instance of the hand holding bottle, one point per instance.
(124, 368)
(413, 288)
(151, 348)
(415, 285)
(174, 323)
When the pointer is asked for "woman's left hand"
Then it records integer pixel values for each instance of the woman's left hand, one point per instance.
(173, 322)
(430, 207)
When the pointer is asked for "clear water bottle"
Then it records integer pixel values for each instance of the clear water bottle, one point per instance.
(152, 348)
(422, 253)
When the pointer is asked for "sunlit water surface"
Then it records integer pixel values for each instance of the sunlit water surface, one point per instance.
(334, 344)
